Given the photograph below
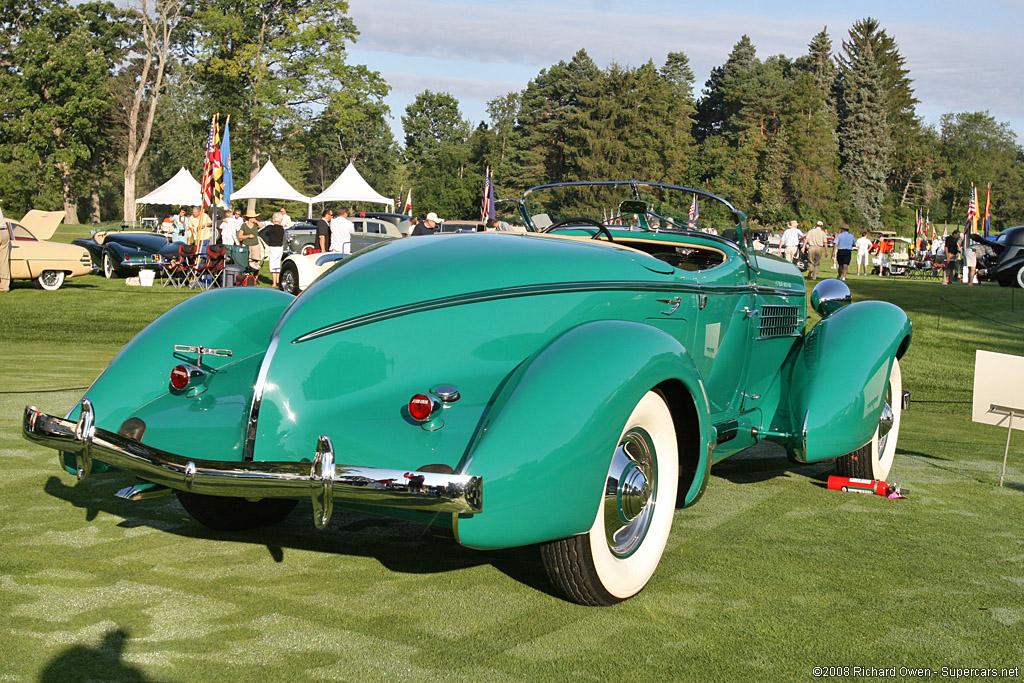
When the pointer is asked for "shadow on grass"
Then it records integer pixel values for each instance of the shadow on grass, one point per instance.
(402, 546)
(101, 663)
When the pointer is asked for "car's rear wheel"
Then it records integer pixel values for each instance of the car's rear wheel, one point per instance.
(223, 513)
(289, 278)
(874, 459)
(616, 558)
(1020, 277)
(51, 279)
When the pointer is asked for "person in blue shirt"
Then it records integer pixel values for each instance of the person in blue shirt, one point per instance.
(844, 243)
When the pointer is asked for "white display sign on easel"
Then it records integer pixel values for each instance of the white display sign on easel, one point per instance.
(999, 394)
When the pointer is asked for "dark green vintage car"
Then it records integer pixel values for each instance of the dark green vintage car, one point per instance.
(569, 387)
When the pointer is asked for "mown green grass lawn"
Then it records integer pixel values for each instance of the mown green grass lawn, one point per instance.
(768, 576)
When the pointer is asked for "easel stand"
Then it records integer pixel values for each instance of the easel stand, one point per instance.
(1012, 413)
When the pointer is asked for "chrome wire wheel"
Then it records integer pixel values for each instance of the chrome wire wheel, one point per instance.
(630, 492)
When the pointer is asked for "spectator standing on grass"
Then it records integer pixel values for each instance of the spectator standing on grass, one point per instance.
(341, 232)
(863, 253)
(286, 220)
(180, 233)
(789, 245)
(952, 254)
(323, 230)
(971, 261)
(227, 230)
(844, 244)
(199, 229)
(816, 239)
(248, 236)
(274, 237)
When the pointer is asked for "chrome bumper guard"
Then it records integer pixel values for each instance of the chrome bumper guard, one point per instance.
(322, 480)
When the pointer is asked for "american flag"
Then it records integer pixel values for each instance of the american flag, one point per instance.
(972, 210)
(213, 170)
(694, 212)
(487, 203)
(407, 209)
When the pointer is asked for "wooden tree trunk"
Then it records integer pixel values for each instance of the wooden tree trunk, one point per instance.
(94, 203)
(70, 203)
(128, 205)
(254, 168)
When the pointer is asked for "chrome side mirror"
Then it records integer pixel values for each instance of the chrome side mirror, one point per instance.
(829, 296)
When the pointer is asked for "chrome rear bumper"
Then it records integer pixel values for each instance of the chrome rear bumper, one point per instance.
(322, 480)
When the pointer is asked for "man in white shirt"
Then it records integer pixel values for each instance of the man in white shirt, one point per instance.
(790, 244)
(863, 253)
(341, 232)
(286, 220)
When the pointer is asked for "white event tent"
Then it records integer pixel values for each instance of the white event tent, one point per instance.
(351, 187)
(181, 190)
(268, 183)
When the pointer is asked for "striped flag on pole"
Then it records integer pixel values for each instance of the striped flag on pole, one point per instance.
(694, 212)
(988, 209)
(213, 171)
(972, 211)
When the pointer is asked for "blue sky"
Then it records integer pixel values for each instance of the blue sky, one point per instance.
(962, 56)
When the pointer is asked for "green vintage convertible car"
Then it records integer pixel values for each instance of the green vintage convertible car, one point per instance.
(568, 387)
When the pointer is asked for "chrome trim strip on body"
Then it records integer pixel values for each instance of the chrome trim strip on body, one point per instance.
(249, 435)
(429, 491)
(537, 290)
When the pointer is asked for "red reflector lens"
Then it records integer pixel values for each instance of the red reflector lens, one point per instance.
(179, 377)
(420, 407)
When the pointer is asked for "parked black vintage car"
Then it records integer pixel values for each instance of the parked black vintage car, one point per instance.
(1008, 268)
(120, 254)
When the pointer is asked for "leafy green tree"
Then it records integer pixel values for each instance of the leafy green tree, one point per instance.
(976, 148)
(272, 64)
(716, 106)
(438, 153)
(813, 172)
(546, 105)
(55, 94)
(677, 72)
(864, 132)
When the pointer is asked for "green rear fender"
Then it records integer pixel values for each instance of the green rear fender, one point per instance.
(839, 378)
(137, 381)
(547, 440)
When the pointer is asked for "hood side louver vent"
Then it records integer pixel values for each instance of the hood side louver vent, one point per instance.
(779, 321)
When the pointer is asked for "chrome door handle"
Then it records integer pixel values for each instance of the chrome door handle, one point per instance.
(674, 302)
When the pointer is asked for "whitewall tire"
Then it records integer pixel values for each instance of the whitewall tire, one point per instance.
(874, 460)
(617, 557)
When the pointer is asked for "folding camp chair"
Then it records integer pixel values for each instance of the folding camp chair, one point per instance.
(178, 267)
(207, 273)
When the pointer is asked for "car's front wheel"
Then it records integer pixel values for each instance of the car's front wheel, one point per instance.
(224, 513)
(51, 279)
(616, 558)
(289, 278)
(874, 459)
(108, 265)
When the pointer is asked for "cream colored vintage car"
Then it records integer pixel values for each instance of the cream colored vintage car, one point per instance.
(33, 257)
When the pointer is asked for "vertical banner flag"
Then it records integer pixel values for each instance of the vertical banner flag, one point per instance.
(213, 184)
(487, 202)
(928, 224)
(988, 209)
(490, 195)
(225, 157)
(407, 209)
(694, 212)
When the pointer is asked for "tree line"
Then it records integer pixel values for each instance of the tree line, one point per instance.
(98, 100)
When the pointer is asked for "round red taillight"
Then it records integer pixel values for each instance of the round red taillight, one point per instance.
(420, 407)
(179, 376)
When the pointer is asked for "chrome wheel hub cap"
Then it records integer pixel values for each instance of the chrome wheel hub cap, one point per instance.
(885, 422)
(629, 496)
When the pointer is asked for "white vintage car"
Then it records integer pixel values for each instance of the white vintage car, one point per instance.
(299, 270)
